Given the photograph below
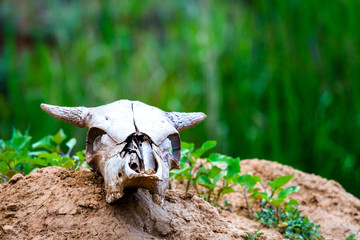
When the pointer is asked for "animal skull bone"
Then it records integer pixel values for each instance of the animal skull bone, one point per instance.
(130, 143)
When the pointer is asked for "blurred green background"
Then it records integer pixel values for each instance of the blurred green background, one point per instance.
(278, 79)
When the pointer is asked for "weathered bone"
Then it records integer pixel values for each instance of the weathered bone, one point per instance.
(182, 121)
(74, 115)
(148, 158)
(130, 143)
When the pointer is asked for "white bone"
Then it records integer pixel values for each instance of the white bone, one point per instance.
(148, 158)
(130, 143)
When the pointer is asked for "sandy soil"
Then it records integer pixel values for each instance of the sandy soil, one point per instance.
(53, 203)
(324, 201)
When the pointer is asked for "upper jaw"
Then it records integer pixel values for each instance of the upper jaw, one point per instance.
(119, 174)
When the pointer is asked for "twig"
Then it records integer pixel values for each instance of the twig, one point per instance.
(247, 203)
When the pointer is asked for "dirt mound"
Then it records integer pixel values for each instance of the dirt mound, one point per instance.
(324, 201)
(53, 203)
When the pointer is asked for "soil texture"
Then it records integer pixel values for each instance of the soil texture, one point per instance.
(53, 203)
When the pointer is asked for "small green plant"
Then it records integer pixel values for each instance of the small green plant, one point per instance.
(352, 236)
(218, 178)
(283, 215)
(254, 235)
(278, 195)
(217, 174)
(211, 177)
(18, 155)
(248, 183)
(189, 163)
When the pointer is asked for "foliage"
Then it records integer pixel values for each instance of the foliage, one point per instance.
(211, 177)
(352, 236)
(18, 155)
(278, 79)
(248, 182)
(283, 215)
(217, 174)
(254, 235)
(289, 222)
(281, 194)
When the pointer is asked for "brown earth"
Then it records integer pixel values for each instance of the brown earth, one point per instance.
(53, 203)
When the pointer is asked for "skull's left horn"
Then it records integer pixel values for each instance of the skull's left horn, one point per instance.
(183, 120)
(74, 115)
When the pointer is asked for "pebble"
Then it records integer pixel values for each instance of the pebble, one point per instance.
(8, 229)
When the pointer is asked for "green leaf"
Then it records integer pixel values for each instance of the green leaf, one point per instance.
(253, 190)
(234, 166)
(287, 191)
(51, 156)
(202, 171)
(27, 168)
(68, 164)
(280, 181)
(214, 171)
(260, 195)
(80, 155)
(219, 176)
(187, 146)
(247, 180)
(71, 143)
(257, 178)
(10, 173)
(3, 168)
(206, 146)
(45, 143)
(16, 133)
(352, 236)
(38, 161)
(289, 206)
(292, 202)
(18, 142)
(59, 137)
(207, 181)
(8, 157)
(276, 202)
(181, 170)
(54, 162)
(228, 190)
(219, 158)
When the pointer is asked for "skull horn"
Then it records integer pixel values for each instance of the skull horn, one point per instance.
(182, 121)
(74, 115)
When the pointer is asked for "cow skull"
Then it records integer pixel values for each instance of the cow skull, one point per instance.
(130, 143)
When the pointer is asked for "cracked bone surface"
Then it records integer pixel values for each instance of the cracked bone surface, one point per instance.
(132, 144)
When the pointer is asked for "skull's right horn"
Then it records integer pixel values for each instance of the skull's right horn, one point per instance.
(183, 120)
(74, 115)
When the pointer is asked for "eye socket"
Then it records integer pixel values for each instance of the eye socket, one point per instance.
(93, 140)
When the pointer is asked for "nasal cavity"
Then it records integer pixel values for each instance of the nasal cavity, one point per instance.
(134, 166)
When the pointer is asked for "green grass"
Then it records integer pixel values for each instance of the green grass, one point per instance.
(278, 79)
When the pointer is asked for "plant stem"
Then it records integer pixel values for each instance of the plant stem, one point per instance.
(263, 186)
(209, 195)
(247, 203)
(187, 186)
(196, 189)
(216, 200)
(8, 164)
